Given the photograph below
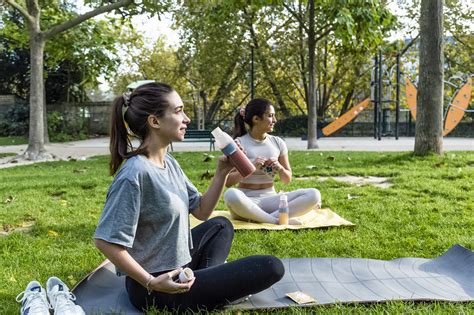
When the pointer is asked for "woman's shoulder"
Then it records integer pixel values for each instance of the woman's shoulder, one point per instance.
(278, 142)
(171, 160)
(132, 168)
(276, 139)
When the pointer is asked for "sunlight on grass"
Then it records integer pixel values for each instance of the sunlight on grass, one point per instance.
(427, 210)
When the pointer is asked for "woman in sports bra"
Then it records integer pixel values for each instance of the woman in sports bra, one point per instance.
(255, 198)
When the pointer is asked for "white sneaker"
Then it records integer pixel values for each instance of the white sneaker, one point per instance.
(61, 300)
(33, 300)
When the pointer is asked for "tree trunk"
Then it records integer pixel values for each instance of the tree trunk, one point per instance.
(429, 114)
(45, 117)
(312, 116)
(203, 96)
(36, 149)
(302, 56)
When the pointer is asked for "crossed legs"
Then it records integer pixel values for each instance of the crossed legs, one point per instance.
(262, 205)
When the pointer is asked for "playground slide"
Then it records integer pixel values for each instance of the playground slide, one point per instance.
(458, 107)
(411, 97)
(343, 120)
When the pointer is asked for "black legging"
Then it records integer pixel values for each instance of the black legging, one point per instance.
(216, 283)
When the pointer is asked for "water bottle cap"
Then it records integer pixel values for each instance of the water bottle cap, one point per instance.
(284, 197)
(229, 149)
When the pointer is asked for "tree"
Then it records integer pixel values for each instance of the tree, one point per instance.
(349, 22)
(429, 114)
(73, 61)
(213, 61)
(32, 11)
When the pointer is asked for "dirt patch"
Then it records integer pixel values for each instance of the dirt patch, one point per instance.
(381, 182)
(24, 227)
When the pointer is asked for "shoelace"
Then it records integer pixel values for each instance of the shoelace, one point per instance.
(37, 301)
(64, 300)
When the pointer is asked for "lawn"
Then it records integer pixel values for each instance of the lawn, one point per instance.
(13, 140)
(428, 209)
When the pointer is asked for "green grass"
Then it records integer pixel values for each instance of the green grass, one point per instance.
(13, 140)
(2, 155)
(429, 209)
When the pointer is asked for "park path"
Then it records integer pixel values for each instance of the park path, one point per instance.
(99, 146)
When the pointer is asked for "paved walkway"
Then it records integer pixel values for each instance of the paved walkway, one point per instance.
(99, 146)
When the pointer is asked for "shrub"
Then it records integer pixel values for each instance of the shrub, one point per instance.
(61, 129)
(15, 120)
(294, 126)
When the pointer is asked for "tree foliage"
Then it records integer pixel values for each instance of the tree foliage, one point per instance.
(72, 63)
(39, 31)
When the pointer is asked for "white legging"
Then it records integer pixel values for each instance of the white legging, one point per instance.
(261, 205)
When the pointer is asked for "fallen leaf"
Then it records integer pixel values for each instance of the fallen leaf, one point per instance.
(208, 158)
(9, 199)
(206, 175)
(53, 233)
(7, 227)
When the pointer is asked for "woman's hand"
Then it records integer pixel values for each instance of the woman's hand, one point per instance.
(165, 283)
(274, 164)
(223, 165)
(259, 162)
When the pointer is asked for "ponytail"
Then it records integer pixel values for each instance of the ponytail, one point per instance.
(256, 107)
(239, 125)
(119, 139)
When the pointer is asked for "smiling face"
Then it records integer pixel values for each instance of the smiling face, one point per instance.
(267, 122)
(174, 122)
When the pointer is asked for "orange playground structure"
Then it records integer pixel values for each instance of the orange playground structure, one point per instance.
(454, 112)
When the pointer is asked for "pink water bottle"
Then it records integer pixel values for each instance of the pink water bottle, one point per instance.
(228, 146)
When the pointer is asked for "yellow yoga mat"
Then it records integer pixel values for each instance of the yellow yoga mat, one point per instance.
(311, 220)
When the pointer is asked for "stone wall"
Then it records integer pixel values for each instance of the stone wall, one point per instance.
(6, 101)
(93, 116)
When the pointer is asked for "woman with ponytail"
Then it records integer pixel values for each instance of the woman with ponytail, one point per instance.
(144, 227)
(255, 198)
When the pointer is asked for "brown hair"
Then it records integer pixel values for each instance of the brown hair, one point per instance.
(148, 99)
(256, 107)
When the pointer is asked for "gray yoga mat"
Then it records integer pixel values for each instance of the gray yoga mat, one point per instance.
(449, 277)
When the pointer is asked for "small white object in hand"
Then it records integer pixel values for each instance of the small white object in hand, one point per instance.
(186, 275)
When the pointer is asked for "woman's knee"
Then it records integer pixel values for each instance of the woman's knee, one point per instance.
(314, 195)
(224, 224)
(232, 196)
(275, 267)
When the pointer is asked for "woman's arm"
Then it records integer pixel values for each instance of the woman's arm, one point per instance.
(233, 178)
(282, 165)
(123, 261)
(210, 198)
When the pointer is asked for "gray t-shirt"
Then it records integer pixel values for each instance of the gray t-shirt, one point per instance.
(147, 211)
